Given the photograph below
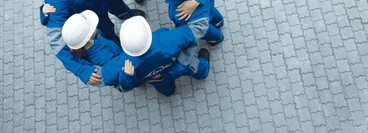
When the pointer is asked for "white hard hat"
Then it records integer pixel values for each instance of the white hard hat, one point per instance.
(135, 36)
(78, 29)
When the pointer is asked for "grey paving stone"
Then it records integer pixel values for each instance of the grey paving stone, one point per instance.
(301, 103)
(346, 33)
(260, 90)
(287, 97)
(268, 15)
(217, 124)
(273, 94)
(272, 36)
(358, 118)
(342, 21)
(347, 126)
(293, 19)
(241, 9)
(354, 104)
(230, 127)
(361, 128)
(361, 84)
(311, 92)
(265, 57)
(293, 124)
(276, 106)
(254, 10)
(241, 120)
(321, 83)
(312, 46)
(346, 78)
(265, 116)
(302, 54)
(254, 125)
(262, 45)
(267, 69)
(332, 31)
(318, 119)
(296, 31)
(225, 103)
(310, 35)
(362, 14)
(323, 38)
(336, 41)
(283, 28)
(292, 63)
(339, 9)
(260, 33)
(307, 127)
(280, 16)
(228, 116)
(279, 120)
(333, 123)
(359, 37)
(294, 76)
(277, 5)
(252, 53)
(303, 11)
(192, 127)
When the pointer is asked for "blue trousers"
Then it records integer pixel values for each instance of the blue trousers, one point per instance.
(166, 85)
(101, 8)
(186, 64)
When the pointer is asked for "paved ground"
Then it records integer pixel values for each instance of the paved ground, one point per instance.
(285, 66)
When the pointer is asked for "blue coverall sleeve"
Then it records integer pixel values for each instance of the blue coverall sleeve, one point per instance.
(74, 64)
(127, 82)
(184, 36)
(178, 38)
(202, 1)
(43, 18)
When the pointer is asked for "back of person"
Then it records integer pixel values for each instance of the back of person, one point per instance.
(102, 51)
(150, 53)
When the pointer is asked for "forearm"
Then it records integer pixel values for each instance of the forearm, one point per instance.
(43, 18)
(72, 63)
(78, 67)
(127, 82)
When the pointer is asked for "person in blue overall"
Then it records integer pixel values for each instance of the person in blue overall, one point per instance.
(54, 17)
(191, 11)
(180, 11)
(153, 55)
(80, 34)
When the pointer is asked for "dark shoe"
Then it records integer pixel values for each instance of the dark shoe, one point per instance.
(117, 41)
(204, 53)
(137, 12)
(139, 1)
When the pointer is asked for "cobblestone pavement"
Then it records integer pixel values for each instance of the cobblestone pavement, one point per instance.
(284, 66)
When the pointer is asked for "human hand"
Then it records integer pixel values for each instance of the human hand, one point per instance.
(186, 9)
(157, 76)
(128, 68)
(47, 8)
(95, 78)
